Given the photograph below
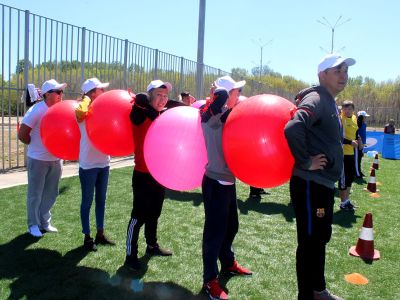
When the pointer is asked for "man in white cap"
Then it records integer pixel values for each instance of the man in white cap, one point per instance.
(44, 169)
(148, 194)
(219, 191)
(94, 168)
(315, 139)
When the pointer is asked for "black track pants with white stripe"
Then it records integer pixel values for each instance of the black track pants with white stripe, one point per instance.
(313, 208)
(148, 199)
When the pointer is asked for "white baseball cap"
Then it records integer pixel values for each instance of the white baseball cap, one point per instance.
(52, 85)
(334, 60)
(228, 83)
(158, 83)
(363, 113)
(93, 83)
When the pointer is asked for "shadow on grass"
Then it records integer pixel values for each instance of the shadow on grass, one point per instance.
(63, 189)
(196, 197)
(345, 219)
(360, 181)
(46, 274)
(269, 208)
(132, 281)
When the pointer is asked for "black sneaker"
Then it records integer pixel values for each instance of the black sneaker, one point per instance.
(263, 192)
(255, 196)
(103, 240)
(326, 295)
(156, 250)
(132, 262)
(89, 245)
(348, 206)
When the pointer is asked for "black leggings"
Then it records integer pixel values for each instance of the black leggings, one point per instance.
(220, 226)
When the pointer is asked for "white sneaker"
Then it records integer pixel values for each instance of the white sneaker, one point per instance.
(34, 231)
(50, 228)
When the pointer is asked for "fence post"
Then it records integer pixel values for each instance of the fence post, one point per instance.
(181, 76)
(83, 46)
(155, 64)
(26, 71)
(26, 52)
(126, 64)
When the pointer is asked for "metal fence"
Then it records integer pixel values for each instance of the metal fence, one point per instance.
(36, 48)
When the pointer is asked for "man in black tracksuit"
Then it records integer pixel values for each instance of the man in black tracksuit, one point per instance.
(315, 138)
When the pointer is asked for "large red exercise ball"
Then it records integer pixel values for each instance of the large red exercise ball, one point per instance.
(59, 130)
(108, 125)
(174, 149)
(254, 144)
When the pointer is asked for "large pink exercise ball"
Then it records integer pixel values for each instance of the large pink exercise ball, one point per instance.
(198, 103)
(254, 144)
(174, 149)
(108, 125)
(59, 130)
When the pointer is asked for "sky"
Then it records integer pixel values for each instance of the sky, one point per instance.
(234, 29)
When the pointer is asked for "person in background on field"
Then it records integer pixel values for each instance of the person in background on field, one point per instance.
(314, 136)
(389, 128)
(44, 169)
(148, 194)
(94, 168)
(219, 191)
(32, 95)
(339, 108)
(187, 99)
(350, 151)
(362, 132)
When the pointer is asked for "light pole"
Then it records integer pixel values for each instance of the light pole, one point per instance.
(261, 45)
(326, 23)
(200, 50)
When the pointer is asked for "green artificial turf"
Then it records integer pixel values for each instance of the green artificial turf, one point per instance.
(57, 267)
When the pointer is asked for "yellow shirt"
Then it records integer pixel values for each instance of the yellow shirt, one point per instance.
(350, 128)
(82, 110)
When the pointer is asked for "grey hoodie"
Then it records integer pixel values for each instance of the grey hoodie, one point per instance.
(216, 167)
(315, 128)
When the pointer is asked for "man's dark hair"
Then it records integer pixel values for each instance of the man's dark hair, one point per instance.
(348, 103)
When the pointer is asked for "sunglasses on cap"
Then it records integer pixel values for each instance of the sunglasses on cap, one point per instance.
(58, 92)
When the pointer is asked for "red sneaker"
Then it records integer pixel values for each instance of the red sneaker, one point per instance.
(236, 269)
(214, 290)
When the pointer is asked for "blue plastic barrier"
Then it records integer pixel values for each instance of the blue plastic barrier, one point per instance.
(374, 141)
(391, 146)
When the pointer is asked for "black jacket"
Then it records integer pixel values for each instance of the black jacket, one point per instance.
(315, 128)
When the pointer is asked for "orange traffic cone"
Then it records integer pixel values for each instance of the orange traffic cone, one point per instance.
(375, 164)
(365, 245)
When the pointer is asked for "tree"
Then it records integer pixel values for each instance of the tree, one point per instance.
(266, 70)
(239, 73)
(21, 66)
